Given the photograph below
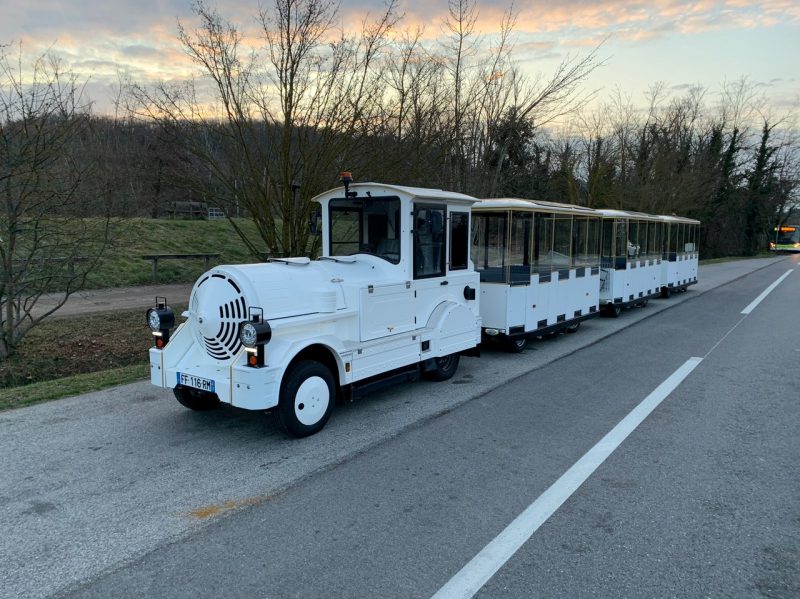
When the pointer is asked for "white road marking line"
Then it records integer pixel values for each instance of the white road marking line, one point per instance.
(491, 558)
(765, 293)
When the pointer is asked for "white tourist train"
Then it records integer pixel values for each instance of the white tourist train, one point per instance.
(409, 279)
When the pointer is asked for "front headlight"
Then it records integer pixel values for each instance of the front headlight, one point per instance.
(160, 318)
(248, 335)
(153, 321)
(254, 333)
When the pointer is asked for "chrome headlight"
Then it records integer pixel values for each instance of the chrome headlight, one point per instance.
(160, 318)
(248, 334)
(254, 333)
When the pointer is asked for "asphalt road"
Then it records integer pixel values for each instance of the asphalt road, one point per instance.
(124, 493)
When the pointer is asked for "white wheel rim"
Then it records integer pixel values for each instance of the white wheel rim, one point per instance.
(311, 401)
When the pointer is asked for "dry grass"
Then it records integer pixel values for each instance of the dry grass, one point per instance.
(69, 356)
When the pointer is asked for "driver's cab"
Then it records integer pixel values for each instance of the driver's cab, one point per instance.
(425, 232)
(412, 245)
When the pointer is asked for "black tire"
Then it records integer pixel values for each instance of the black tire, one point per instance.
(666, 292)
(644, 302)
(446, 367)
(195, 399)
(306, 398)
(573, 327)
(614, 310)
(515, 345)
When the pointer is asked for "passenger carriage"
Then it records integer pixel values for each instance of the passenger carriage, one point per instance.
(681, 256)
(631, 259)
(539, 266)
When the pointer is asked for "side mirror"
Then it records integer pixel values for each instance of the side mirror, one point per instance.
(315, 221)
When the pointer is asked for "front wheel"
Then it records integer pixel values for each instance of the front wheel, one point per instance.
(306, 398)
(446, 367)
(195, 399)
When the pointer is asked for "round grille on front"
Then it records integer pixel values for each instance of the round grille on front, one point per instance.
(219, 307)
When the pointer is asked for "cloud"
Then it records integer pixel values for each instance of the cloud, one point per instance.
(138, 37)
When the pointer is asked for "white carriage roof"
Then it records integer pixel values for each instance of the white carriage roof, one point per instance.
(522, 204)
(414, 192)
(678, 219)
(611, 213)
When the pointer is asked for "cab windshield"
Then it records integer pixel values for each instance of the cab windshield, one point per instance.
(365, 226)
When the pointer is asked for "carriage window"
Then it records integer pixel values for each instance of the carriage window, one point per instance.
(634, 246)
(653, 240)
(607, 244)
(695, 237)
(429, 241)
(543, 244)
(585, 241)
(459, 240)
(621, 239)
(673, 238)
(365, 226)
(562, 240)
(488, 245)
(520, 247)
(593, 242)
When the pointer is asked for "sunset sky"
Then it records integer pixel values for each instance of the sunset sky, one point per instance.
(679, 43)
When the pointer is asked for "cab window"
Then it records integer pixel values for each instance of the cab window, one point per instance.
(459, 240)
(429, 240)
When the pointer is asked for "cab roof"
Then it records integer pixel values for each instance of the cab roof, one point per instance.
(422, 193)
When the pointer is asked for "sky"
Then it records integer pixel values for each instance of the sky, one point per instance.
(679, 44)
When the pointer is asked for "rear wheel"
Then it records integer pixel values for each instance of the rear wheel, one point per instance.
(666, 292)
(614, 310)
(195, 399)
(515, 345)
(573, 327)
(445, 368)
(306, 398)
(644, 302)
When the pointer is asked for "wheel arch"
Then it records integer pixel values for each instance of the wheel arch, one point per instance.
(322, 353)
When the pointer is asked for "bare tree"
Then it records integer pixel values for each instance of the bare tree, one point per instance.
(45, 245)
(287, 122)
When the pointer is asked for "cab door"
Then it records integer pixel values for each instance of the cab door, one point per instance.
(429, 258)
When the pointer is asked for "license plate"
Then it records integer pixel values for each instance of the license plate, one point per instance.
(190, 380)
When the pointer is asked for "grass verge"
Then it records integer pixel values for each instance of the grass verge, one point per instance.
(69, 356)
(26, 395)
